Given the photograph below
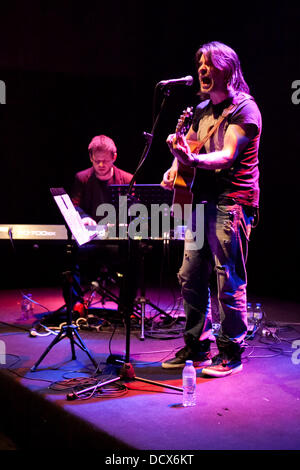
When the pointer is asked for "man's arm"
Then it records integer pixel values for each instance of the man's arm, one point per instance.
(235, 140)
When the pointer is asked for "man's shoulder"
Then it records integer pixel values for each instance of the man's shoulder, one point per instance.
(242, 99)
(246, 111)
(122, 176)
(84, 175)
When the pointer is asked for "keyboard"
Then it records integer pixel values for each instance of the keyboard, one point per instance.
(59, 232)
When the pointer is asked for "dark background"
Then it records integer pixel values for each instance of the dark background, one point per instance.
(77, 69)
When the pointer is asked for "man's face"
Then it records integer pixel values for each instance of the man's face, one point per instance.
(103, 161)
(212, 80)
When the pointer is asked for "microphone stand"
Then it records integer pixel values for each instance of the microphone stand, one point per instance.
(149, 139)
(127, 370)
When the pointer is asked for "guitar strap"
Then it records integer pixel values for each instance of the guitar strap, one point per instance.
(224, 114)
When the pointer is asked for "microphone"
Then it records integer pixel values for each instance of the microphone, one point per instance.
(188, 81)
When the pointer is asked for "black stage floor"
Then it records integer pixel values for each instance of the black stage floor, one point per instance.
(257, 409)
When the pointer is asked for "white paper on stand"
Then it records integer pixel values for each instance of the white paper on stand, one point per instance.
(71, 216)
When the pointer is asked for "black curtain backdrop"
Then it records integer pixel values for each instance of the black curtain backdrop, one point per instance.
(76, 69)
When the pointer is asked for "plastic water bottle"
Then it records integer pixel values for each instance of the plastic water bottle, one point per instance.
(249, 312)
(189, 384)
(258, 313)
(26, 307)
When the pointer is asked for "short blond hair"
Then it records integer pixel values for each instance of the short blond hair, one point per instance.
(102, 142)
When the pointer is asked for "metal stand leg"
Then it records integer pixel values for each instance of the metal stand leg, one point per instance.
(142, 300)
(68, 331)
(126, 372)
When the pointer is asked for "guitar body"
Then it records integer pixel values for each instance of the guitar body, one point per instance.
(183, 183)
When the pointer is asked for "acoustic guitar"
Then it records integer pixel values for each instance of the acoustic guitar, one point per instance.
(185, 175)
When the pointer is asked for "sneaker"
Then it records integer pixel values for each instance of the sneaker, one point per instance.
(200, 359)
(222, 366)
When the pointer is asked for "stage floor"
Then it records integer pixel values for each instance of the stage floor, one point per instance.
(257, 409)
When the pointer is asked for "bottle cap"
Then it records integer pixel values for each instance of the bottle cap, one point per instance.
(189, 363)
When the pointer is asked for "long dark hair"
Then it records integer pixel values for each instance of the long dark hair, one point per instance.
(226, 59)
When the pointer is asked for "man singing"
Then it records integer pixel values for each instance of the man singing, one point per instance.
(227, 182)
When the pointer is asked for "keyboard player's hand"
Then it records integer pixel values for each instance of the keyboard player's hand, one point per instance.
(88, 221)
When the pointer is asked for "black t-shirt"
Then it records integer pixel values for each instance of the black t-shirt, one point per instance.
(241, 181)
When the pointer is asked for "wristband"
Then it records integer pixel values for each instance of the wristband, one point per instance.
(194, 163)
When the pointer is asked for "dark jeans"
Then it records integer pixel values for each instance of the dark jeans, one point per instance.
(226, 234)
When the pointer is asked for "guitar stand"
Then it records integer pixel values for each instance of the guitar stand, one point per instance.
(68, 331)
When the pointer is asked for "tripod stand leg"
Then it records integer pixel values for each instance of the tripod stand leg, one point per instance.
(72, 345)
(68, 331)
(54, 342)
(84, 348)
(143, 306)
(159, 384)
(128, 371)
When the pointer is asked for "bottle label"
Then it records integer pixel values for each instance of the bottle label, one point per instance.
(189, 383)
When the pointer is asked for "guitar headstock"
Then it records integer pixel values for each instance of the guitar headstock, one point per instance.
(184, 122)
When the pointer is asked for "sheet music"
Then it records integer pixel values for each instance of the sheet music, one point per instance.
(72, 218)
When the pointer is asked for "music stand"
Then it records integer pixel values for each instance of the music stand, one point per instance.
(75, 228)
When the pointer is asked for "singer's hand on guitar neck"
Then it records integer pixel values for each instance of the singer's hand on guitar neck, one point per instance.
(181, 150)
